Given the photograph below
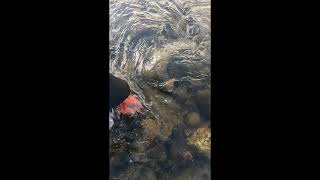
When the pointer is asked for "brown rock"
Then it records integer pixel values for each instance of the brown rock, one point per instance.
(201, 140)
(151, 129)
(192, 119)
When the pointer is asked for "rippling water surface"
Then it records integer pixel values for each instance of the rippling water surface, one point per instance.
(162, 48)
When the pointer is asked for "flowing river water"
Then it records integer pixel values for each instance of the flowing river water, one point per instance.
(162, 48)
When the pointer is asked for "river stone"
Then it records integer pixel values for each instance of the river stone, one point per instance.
(147, 174)
(138, 173)
(139, 157)
(203, 99)
(168, 86)
(194, 174)
(157, 153)
(151, 129)
(192, 119)
(201, 140)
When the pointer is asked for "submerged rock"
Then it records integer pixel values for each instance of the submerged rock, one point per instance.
(188, 132)
(192, 119)
(168, 86)
(157, 153)
(181, 93)
(203, 101)
(201, 140)
(147, 174)
(168, 32)
(165, 110)
(139, 157)
(151, 129)
(178, 149)
(194, 174)
(138, 173)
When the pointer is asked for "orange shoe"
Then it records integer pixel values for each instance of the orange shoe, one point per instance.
(130, 106)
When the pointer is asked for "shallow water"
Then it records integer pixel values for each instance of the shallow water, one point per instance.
(162, 48)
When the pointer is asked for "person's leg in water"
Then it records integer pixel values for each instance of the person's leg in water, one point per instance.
(119, 90)
(121, 100)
